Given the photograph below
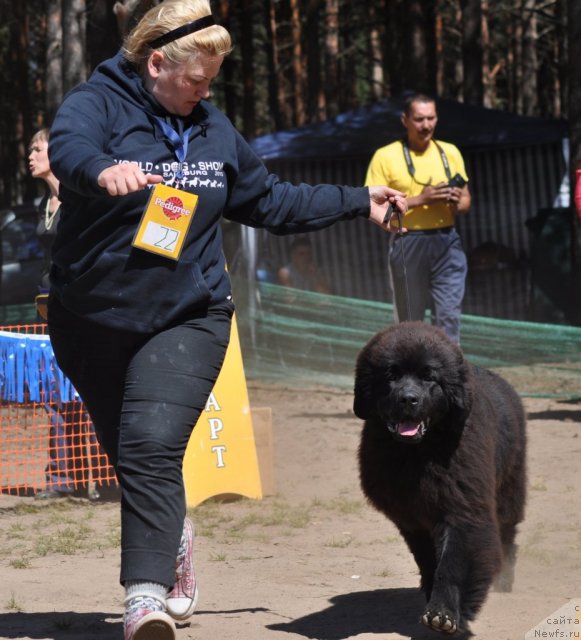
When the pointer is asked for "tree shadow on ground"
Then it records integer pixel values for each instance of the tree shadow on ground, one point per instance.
(382, 611)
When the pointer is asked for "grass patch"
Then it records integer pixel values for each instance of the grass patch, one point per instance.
(339, 543)
(20, 563)
(66, 527)
(214, 520)
(13, 604)
(539, 485)
(67, 541)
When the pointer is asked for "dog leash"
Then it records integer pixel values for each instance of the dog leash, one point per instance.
(386, 219)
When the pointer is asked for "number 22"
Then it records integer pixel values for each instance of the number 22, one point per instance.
(172, 234)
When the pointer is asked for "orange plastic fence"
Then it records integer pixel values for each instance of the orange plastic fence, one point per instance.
(48, 443)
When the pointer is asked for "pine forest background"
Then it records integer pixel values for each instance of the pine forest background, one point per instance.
(301, 61)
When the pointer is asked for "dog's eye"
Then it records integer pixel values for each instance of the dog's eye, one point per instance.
(428, 374)
(392, 373)
(395, 373)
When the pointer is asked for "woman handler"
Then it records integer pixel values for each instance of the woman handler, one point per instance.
(141, 305)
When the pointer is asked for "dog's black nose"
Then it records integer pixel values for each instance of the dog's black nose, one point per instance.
(409, 399)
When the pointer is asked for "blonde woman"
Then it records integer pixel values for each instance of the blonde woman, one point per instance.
(49, 207)
(141, 304)
(65, 416)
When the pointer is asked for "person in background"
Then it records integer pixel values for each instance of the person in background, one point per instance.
(302, 272)
(428, 262)
(578, 192)
(49, 207)
(141, 306)
(65, 418)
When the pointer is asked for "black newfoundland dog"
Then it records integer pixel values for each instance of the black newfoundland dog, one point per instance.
(442, 455)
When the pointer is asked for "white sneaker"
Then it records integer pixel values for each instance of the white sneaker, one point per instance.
(182, 599)
(146, 619)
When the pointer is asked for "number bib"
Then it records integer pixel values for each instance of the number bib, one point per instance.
(165, 221)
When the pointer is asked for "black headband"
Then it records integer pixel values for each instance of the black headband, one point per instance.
(184, 30)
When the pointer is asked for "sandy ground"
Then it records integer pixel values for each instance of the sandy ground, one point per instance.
(312, 561)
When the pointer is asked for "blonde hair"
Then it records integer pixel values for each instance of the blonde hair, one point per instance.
(42, 135)
(171, 14)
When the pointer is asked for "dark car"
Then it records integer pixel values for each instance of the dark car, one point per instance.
(21, 254)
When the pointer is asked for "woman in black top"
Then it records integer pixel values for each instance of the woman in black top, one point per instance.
(141, 303)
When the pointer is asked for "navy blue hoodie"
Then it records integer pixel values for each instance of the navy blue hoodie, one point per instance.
(96, 272)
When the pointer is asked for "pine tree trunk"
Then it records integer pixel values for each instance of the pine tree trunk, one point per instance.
(528, 87)
(379, 84)
(299, 71)
(331, 57)
(281, 20)
(316, 93)
(228, 67)
(247, 49)
(103, 35)
(18, 145)
(74, 32)
(472, 51)
(54, 60)
(418, 51)
(271, 61)
(394, 47)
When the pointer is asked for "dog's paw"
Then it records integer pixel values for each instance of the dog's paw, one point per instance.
(440, 619)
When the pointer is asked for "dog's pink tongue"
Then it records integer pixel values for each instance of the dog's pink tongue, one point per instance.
(408, 429)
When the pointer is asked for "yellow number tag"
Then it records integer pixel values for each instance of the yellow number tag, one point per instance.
(165, 221)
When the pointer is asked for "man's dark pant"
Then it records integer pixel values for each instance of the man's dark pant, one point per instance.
(436, 269)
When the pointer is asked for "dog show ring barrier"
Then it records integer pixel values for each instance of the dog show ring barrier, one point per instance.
(224, 456)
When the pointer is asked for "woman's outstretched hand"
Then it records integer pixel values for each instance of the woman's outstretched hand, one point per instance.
(385, 205)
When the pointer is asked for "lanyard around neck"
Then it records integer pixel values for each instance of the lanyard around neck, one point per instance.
(410, 164)
(178, 142)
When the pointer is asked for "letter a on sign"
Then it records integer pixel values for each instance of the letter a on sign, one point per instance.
(221, 455)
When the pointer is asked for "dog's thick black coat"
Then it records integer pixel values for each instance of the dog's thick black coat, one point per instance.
(442, 455)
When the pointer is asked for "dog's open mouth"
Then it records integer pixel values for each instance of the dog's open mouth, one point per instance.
(407, 431)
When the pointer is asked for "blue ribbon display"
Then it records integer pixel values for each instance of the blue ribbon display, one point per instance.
(29, 372)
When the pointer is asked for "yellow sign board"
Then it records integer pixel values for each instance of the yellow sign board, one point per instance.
(221, 456)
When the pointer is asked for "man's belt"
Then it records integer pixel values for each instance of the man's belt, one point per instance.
(428, 232)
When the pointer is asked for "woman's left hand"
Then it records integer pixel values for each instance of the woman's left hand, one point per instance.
(380, 198)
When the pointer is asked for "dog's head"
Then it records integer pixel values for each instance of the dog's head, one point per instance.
(412, 379)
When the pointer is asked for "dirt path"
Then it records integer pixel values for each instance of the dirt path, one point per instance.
(314, 561)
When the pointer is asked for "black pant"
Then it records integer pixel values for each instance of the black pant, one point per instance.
(144, 393)
(435, 267)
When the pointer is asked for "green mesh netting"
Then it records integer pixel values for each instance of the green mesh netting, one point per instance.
(307, 338)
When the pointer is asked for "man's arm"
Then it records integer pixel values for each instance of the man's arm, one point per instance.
(464, 200)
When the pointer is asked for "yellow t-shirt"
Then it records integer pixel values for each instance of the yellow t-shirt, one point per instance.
(388, 166)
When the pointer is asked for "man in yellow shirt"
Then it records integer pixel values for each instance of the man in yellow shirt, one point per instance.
(429, 256)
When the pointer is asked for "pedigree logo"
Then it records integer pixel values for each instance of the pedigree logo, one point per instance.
(172, 207)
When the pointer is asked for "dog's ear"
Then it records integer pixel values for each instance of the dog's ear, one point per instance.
(363, 391)
(458, 391)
